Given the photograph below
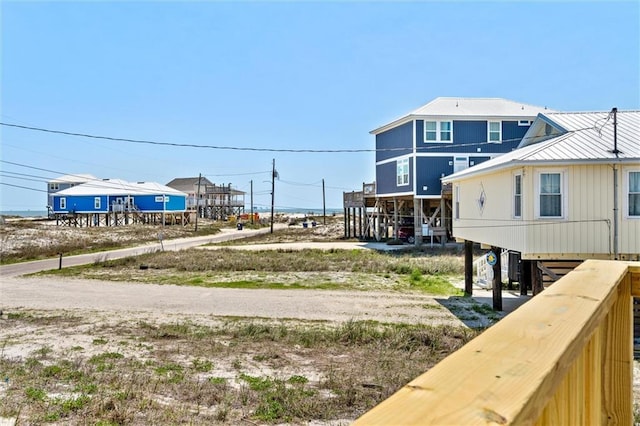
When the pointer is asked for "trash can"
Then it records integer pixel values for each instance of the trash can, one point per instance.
(239, 226)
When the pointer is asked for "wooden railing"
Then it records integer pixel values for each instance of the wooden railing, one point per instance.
(563, 358)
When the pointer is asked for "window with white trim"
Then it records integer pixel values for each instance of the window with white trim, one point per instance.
(54, 186)
(63, 203)
(634, 194)
(402, 172)
(495, 132)
(96, 203)
(550, 195)
(457, 202)
(438, 131)
(517, 196)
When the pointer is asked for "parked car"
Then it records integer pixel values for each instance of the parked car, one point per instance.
(407, 233)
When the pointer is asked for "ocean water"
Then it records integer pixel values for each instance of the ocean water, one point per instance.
(24, 213)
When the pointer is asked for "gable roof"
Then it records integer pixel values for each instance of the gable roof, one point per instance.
(189, 183)
(80, 178)
(586, 137)
(468, 108)
(118, 187)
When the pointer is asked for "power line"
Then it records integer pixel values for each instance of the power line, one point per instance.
(23, 187)
(440, 145)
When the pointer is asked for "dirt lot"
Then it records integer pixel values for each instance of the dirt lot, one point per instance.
(76, 351)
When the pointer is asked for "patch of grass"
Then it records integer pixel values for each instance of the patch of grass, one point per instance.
(100, 341)
(202, 365)
(35, 394)
(433, 284)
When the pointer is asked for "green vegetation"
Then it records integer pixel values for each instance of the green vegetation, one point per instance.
(194, 373)
(412, 270)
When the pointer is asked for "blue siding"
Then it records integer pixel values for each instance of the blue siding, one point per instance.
(398, 137)
(80, 203)
(386, 179)
(467, 133)
(511, 130)
(145, 203)
(429, 172)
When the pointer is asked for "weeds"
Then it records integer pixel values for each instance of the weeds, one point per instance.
(193, 373)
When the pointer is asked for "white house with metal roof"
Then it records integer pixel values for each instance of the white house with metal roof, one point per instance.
(570, 191)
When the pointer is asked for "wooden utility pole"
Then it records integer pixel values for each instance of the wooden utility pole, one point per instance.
(198, 201)
(273, 186)
(252, 201)
(324, 206)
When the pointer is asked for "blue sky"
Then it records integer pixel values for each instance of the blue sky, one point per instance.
(280, 75)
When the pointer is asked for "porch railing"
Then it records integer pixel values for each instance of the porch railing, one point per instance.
(563, 358)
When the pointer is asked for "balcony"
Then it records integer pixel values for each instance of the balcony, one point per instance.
(563, 358)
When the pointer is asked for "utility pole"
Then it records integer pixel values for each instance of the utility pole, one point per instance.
(324, 207)
(273, 187)
(198, 201)
(252, 201)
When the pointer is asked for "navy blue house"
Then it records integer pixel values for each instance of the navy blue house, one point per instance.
(442, 137)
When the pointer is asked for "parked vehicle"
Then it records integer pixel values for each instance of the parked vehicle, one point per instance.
(407, 233)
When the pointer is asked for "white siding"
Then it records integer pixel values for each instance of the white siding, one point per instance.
(585, 231)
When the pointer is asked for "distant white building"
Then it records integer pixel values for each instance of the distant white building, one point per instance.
(65, 182)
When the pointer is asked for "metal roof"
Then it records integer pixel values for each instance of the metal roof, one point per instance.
(119, 187)
(80, 178)
(188, 184)
(588, 138)
(469, 108)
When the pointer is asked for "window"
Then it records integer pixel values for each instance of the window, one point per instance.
(96, 203)
(445, 131)
(63, 203)
(159, 198)
(524, 123)
(517, 196)
(430, 131)
(550, 195)
(438, 131)
(402, 172)
(54, 186)
(457, 201)
(495, 132)
(634, 194)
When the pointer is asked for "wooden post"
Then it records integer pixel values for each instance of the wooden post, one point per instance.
(198, 202)
(525, 277)
(346, 223)
(497, 280)
(536, 278)
(468, 267)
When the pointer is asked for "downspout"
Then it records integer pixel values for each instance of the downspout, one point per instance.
(615, 151)
(615, 212)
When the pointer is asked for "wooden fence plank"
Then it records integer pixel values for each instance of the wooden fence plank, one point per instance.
(508, 374)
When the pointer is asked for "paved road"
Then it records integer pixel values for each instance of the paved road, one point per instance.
(65, 293)
(83, 259)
